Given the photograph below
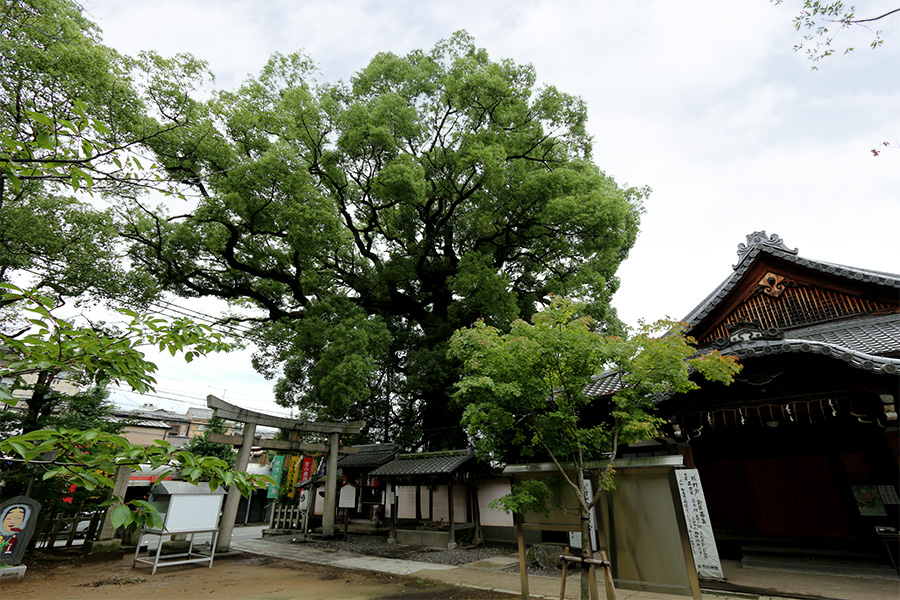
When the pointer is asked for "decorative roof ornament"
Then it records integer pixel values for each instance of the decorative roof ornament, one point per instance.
(772, 284)
(745, 331)
(760, 238)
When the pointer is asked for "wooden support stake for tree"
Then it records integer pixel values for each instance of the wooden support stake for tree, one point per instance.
(608, 578)
(562, 587)
(592, 582)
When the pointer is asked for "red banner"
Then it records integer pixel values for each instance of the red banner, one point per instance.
(306, 469)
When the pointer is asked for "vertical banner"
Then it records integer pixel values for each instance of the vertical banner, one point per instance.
(277, 465)
(293, 471)
(703, 544)
(306, 470)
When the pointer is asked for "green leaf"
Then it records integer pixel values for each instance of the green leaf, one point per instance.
(121, 515)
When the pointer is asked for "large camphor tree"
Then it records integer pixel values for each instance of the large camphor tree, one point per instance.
(357, 225)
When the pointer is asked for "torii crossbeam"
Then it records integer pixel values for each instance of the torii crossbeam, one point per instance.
(251, 419)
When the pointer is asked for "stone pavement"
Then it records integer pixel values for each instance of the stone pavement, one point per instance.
(485, 575)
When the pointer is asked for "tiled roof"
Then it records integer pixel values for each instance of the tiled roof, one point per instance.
(877, 335)
(368, 456)
(758, 242)
(861, 345)
(860, 360)
(603, 385)
(155, 415)
(871, 343)
(425, 464)
(199, 412)
(137, 422)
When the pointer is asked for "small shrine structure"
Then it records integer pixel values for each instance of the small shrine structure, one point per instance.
(446, 481)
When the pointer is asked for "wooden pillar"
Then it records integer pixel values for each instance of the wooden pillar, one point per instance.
(392, 501)
(523, 563)
(229, 512)
(419, 503)
(330, 487)
(476, 513)
(452, 544)
(431, 502)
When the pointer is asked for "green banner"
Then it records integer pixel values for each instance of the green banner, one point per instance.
(277, 465)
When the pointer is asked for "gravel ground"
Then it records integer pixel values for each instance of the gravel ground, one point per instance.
(376, 545)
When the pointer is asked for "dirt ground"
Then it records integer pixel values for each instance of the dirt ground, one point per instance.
(234, 578)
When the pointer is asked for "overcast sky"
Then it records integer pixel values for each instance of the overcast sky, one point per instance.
(705, 102)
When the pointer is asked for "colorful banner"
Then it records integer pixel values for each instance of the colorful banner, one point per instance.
(306, 471)
(277, 465)
(293, 472)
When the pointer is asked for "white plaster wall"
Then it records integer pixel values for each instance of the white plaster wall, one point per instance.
(488, 490)
(406, 503)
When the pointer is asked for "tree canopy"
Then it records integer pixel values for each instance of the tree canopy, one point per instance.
(359, 224)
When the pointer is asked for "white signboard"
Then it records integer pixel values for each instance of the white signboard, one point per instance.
(703, 544)
(347, 499)
(575, 536)
(888, 494)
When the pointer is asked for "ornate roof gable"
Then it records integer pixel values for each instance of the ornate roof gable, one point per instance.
(775, 288)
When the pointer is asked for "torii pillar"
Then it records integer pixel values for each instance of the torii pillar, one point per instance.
(251, 419)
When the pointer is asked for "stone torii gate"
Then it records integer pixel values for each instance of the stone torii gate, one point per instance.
(251, 419)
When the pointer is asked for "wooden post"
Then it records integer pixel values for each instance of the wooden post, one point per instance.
(392, 536)
(608, 578)
(229, 512)
(523, 566)
(452, 544)
(592, 582)
(476, 512)
(419, 503)
(346, 522)
(565, 573)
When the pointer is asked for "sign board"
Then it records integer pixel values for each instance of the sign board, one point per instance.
(348, 497)
(18, 518)
(700, 534)
(277, 466)
(869, 501)
(888, 494)
(575, 536)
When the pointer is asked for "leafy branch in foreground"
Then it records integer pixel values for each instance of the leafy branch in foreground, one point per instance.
(823, 21)
(51, 345)
(89, 459)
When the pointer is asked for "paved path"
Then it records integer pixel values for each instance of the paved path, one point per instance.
(481, 575)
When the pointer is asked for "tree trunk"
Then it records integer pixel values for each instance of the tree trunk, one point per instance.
(37, 403)
(586, 546)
